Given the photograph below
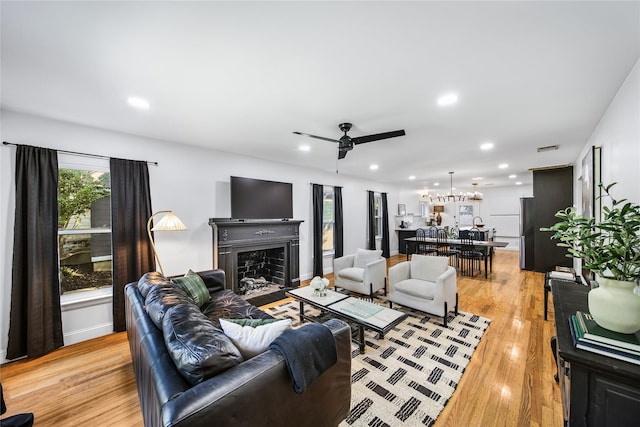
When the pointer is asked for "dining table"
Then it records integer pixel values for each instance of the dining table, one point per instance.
(486, 246)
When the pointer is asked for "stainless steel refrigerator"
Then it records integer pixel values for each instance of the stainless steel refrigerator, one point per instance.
(527, 233)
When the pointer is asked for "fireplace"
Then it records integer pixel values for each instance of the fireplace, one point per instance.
(260, 268)
(259, 248)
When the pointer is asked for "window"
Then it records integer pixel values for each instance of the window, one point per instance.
(84, 227)
(328, 218)
(377, 200)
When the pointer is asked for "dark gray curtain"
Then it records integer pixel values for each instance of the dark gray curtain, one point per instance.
(130, 210)
(385, 227)
(35, 325)
(371, 225)
(338, 238)
(317, 229)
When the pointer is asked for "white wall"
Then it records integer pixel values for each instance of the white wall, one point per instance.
(500, 209)
(618, 133)
(191, 181)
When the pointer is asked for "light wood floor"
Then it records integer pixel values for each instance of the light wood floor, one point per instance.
(509, 381)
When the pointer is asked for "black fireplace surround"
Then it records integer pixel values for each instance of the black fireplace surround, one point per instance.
(232, 237)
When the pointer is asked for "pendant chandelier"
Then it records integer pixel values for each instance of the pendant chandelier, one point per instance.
(460, 197)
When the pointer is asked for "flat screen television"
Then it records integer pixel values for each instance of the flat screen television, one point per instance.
(259, 199)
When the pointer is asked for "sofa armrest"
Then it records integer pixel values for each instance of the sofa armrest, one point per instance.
(375, 272)
(248, 393)
(446, 285)
(398, 273)
(343, 262)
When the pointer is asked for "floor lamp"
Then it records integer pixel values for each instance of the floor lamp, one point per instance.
(169, 222)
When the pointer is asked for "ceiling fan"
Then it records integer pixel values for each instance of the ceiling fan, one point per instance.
(346, 143)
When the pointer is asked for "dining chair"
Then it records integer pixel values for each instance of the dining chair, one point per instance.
(475, 234)
(444, 249)
(469, 257)
(422, 246)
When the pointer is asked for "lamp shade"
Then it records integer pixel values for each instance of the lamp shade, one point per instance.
(169, 222)
(438, 208)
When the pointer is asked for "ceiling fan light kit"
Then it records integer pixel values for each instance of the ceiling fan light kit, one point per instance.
(346, 143)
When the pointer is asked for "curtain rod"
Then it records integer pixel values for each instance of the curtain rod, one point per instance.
(96, 156)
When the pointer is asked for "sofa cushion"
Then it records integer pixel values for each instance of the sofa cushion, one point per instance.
(227, 305)
(198, 349)
(194, 286)
(213, 279)
(365, 256)
(254, 340)
(148, 280)
(428, 268)
(161, 298)
(355, 274)
(417, 288)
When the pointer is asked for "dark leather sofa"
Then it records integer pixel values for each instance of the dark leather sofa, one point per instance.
(256, 392)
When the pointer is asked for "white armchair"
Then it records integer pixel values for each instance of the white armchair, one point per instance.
(426, 283)
(364, 272)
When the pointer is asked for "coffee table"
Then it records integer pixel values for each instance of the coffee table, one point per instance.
(363, 313)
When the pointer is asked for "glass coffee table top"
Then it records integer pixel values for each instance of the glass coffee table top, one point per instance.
(306, 293)
(370, 314)
(363, 313)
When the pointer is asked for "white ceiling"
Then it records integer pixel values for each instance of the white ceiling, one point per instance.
(241, 76)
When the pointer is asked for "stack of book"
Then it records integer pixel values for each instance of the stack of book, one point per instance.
(563, 273)
(588, 335)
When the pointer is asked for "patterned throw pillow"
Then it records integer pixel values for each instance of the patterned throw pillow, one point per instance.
(194, 286)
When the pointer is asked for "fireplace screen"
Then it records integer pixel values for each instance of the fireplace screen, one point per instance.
(260, 269)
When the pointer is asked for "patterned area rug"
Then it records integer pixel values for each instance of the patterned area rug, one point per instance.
(408, 377)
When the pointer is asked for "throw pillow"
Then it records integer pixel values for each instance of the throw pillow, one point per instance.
(365, 256)
(198, 349)
(252, 322)
(252, 341)
(428, 268)
(194, 286)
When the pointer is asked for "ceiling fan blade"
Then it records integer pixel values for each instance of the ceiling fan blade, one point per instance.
(342, 154)
(317, 137)
(377, 137)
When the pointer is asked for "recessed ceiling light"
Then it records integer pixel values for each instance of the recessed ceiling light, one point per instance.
(503, 166)
(486, 146)
(512, 176)
(436, 184)
(373, 167)
(448, 99)
(136, 102)
(518, 183)
(412, 177)
(477, 178)
(304, 148)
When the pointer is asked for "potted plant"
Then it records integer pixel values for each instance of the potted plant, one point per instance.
(611, 249)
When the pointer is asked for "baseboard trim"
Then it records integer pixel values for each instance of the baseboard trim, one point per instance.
(80, 335)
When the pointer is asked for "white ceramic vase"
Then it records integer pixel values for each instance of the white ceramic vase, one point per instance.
(615, 306)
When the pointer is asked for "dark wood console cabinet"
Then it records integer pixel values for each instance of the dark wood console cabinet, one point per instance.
(596, 390)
